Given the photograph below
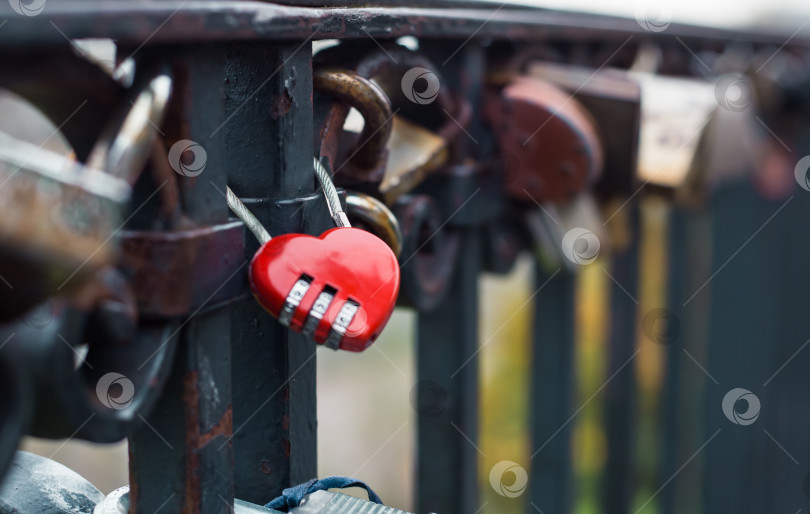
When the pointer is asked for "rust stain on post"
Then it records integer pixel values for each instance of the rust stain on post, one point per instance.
(197, 440)
(280, 105)
(223, 427)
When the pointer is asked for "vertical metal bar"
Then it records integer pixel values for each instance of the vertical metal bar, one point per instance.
(447, 337)
(682, 414)
(447, 342)
(620, 391)
(739, 324)
(758, 322)
(269, 152)
(781, 478)
(177, 460)
(672, 394)
(552, 392)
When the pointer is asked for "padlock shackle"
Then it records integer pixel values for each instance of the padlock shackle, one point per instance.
(370, 101)
(377, 217)
(243, 213)
(331, 194)
(128, 139)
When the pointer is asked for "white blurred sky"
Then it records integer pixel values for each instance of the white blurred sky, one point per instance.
(726, 13)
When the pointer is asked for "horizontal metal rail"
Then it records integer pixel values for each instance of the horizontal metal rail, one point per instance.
(170, 22)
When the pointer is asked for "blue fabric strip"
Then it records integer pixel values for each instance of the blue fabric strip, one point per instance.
(292, 496)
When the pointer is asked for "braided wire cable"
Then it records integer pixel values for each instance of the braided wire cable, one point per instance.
(331, 194)
(244, 214)
(329, 191)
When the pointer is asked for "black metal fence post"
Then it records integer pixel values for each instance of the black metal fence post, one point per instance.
(756, 333)
(552, 392)
(447, 345)
(179, 460)
(268, 137)
(447, 338)
(682, 411)
(620, 389)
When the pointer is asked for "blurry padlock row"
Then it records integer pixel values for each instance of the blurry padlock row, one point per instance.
(100, 244)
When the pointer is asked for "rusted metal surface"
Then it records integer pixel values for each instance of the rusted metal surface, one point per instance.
(175, 273)
(367, 156)
(61, 217)
(613, 100)
(163, 174)
(416, 87)
(329, 118)
(270, 169)
(386, 65)
(187, 440)
(552, 137)
(424, 124)
(197, 438)
(170, 469)
(58, 222)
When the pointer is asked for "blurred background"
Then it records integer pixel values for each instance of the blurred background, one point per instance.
(366, 419)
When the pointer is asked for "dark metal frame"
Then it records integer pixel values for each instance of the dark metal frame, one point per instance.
(237, 416)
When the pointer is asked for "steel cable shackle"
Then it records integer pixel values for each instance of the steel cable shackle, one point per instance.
(331, 194)
(244, 214)
(329, 191)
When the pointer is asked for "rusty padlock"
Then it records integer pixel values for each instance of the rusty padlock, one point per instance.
(415, 146)
(548, 138)
(379, 152)
(60, 217)
(613, 101)
(363, 157)
(654, 126)
(429, 118)
(553, 153)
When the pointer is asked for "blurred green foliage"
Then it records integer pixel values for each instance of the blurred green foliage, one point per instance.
(505, 374)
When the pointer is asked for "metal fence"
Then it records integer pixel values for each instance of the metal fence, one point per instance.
(149, 293)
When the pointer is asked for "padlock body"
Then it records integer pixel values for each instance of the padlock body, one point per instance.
(58, 223)
(547, 140)
(355, 264)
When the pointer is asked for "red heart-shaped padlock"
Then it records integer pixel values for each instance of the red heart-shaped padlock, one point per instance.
(352, 264)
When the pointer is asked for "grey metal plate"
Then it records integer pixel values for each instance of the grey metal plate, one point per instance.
(325, 502)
